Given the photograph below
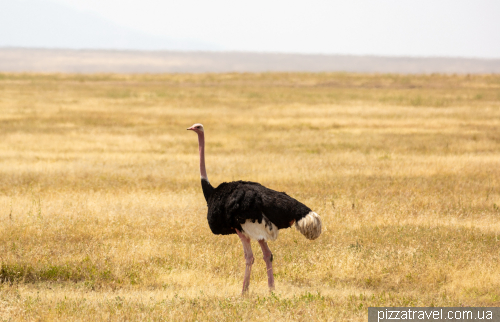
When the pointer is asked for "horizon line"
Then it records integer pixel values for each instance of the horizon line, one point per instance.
(244, 52)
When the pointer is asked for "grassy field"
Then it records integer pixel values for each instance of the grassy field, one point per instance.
(102, 216)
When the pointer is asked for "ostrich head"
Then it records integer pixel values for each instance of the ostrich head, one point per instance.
(197, 127)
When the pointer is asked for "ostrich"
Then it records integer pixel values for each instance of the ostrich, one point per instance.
(253, 211)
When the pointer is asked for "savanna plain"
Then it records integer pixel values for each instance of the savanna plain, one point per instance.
(102, 216)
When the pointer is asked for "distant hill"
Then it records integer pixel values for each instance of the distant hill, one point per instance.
(114, 61)
(41, 23)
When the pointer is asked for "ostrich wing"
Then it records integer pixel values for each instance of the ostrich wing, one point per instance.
(232, 203)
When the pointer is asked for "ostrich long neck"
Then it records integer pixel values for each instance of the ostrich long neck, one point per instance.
(205, 185)
(201, 147)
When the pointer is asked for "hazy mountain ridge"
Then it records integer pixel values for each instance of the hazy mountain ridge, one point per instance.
(44, 24)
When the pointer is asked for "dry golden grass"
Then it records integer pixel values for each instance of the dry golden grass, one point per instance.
(102, 215)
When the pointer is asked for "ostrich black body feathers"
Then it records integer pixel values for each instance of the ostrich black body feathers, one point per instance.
(232, 203)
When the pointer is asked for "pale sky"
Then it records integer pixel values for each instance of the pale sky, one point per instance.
(361, 27)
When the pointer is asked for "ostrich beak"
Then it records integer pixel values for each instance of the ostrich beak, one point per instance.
(189, 128)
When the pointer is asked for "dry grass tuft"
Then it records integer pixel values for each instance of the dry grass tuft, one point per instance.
(103, 218)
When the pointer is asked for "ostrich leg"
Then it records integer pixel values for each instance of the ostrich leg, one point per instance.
(247, 248)
(268, 258)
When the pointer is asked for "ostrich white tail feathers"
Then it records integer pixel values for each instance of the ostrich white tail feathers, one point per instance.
(309, 226)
